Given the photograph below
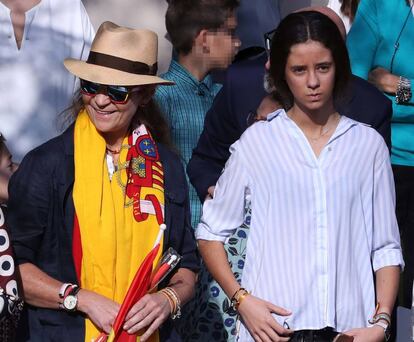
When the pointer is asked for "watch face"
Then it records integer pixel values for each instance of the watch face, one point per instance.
(70, 302)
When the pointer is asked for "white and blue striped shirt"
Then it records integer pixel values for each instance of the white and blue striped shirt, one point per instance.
(319, 227)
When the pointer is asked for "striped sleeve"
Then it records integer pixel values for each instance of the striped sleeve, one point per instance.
(386, 249)
(223, 214)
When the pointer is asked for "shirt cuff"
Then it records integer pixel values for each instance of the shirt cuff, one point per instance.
(389, 257)
(203, 233)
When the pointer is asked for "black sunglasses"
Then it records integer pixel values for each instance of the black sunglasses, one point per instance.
(117, 94)
(268, 36)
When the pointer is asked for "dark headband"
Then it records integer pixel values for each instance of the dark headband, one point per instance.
(121, 64)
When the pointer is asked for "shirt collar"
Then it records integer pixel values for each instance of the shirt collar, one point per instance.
(344, 124)
(186, 77)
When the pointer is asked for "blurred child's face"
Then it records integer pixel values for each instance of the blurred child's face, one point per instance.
(223, 43)
(7, 166)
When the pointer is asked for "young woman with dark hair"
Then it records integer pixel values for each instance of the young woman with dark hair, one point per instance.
(322, 200)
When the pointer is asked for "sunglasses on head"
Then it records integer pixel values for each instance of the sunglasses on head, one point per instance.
(117, 94)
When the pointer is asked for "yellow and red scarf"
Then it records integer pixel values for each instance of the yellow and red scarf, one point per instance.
(116, 222)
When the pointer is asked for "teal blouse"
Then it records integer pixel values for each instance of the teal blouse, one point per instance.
(371, 42)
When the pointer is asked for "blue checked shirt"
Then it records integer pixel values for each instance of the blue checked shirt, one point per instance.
(184, 107)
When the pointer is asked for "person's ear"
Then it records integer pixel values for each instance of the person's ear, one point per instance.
(202, 41)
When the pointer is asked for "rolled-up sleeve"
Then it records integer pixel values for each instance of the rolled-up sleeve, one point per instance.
(386, 249)
(223, 214)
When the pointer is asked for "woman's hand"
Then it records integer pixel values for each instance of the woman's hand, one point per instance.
(383, 80)
(149, 312)
(372, 334)
(100, 310)
(257, 317)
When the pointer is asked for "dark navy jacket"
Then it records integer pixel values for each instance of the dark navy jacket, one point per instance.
(40, 218)
(236, 104)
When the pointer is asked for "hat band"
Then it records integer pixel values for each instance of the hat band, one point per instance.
(121, 64)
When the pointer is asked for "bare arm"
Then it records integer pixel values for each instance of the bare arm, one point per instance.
(215, 258)
(255, 312)
(384, 80)
(387, 279)
(41, 290)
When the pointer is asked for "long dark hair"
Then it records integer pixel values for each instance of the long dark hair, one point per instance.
(150, 116)
(298, 28)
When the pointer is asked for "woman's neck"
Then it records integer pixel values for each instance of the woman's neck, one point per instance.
(311, 119)
(315, 124)
(20, 6)
(114, 140)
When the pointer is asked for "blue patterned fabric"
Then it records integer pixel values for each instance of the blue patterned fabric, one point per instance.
(184, 107)
(207, 317)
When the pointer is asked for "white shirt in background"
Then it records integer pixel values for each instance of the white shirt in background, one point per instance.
(336, 6)
(34, 85)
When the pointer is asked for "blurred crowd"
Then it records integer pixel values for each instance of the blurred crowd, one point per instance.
(267, 145)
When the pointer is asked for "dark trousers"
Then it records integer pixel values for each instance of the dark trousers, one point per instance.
(404, 187)
(323, 335)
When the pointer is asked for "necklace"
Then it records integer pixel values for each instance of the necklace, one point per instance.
(113, 151)
(325, 130)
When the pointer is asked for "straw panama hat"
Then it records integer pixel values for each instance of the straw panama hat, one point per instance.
(120, 56)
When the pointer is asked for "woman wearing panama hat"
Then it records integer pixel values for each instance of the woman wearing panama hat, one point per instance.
(86, 207)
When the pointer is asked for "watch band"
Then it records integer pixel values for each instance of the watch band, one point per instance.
(70, 292)
(63, 289)
(386, 327)
(382, 325)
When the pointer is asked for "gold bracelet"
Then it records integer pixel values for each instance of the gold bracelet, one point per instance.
(241, 298)
(238, 296)
(177, 303)
(170, 301)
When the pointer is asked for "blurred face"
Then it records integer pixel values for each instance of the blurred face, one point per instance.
(310, 75)
(7, 166)
(223, 43)
(111, 117)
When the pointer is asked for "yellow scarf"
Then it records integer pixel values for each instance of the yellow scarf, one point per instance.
(113, 242)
